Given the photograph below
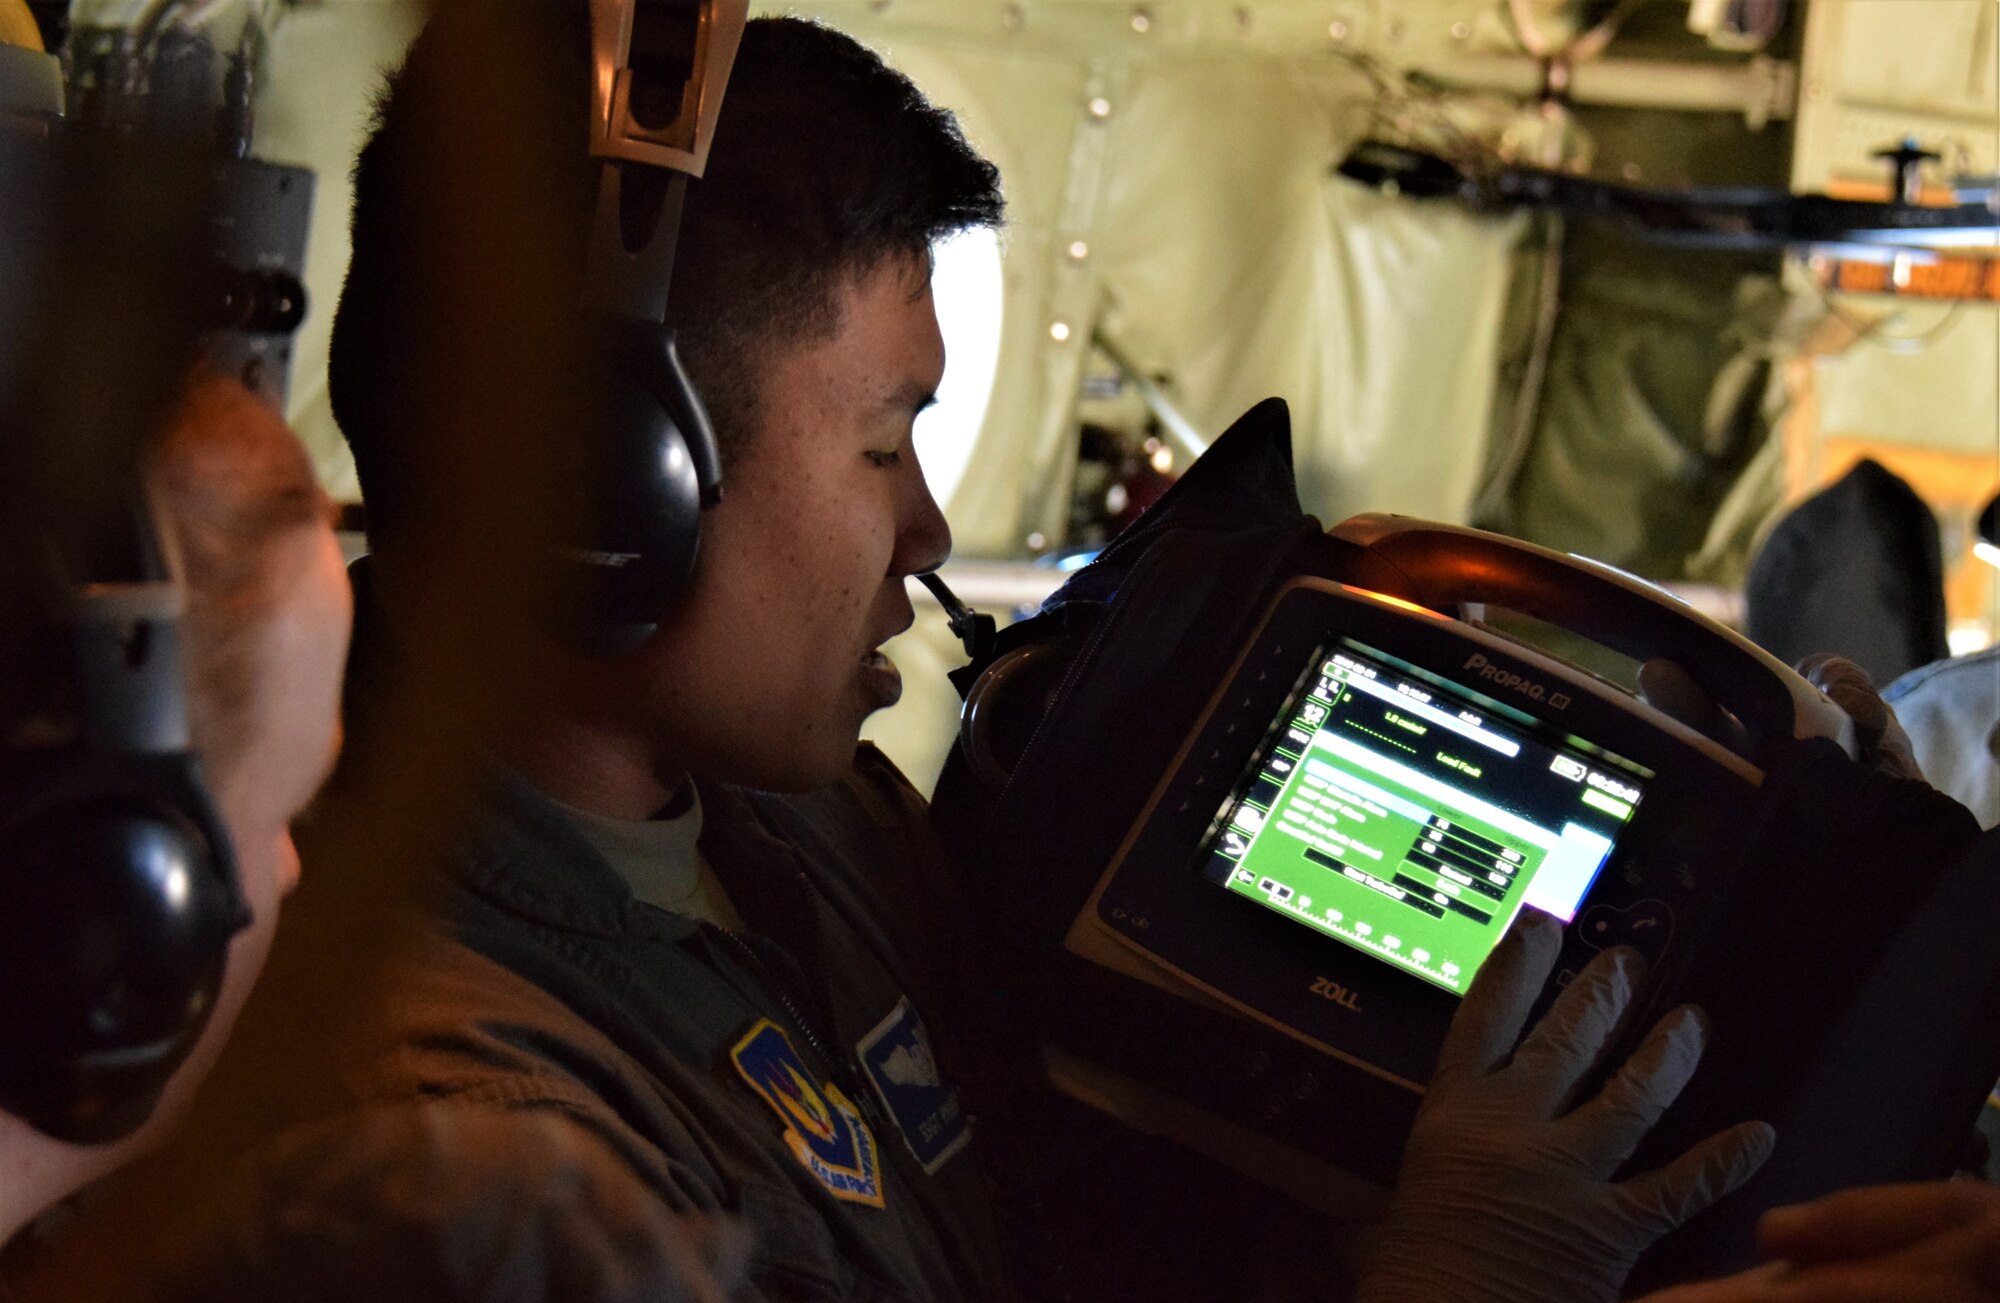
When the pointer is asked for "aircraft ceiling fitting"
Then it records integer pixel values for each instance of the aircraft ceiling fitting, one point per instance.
(1471, 45)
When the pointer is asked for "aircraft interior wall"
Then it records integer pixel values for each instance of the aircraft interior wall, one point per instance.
(1178, 234)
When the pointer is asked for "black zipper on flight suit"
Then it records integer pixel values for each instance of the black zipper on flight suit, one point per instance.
(778, 987)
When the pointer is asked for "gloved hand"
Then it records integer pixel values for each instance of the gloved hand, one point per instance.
(1879, 734)
(1505, 1193)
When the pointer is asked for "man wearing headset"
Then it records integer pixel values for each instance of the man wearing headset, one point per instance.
(695, 935)
(688, 887)
(264, 637)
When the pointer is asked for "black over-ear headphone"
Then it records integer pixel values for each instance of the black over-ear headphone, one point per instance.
(119, 884)
(118, 888)
(659, 69)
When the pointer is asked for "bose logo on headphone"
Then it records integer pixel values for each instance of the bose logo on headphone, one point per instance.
(612, 560)
(1508, 679)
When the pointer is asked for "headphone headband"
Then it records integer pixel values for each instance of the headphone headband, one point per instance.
(659, 70)
(653, 465)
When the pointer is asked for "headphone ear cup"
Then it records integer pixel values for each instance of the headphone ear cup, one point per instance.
(125, 917)
(648, 497)
(647, 488)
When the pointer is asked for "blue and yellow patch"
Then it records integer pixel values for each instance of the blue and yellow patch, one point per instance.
(823, 1129)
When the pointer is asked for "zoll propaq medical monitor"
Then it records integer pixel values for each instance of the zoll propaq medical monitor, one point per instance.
(1375, 792)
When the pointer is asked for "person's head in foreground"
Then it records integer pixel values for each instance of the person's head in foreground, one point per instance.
(802, 306)
(264, 639)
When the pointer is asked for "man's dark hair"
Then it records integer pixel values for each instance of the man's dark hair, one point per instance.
(826, 164)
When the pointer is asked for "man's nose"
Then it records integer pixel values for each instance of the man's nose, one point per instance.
(923, 538)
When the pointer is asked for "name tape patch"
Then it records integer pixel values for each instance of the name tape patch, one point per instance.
(900, 1066)
(823, 1129)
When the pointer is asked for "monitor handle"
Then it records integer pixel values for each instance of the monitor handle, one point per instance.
(1448, 565)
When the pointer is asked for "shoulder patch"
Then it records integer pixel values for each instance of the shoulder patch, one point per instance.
(823, 1129)
(900, 1066)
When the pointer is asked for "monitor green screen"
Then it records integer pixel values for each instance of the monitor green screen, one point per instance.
(1413, 818)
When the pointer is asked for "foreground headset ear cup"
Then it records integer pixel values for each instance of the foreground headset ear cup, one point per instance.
(104, 995)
